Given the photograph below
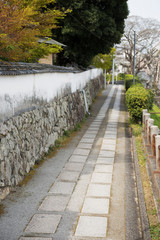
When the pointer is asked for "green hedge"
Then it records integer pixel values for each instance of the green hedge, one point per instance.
(137, 99)
(128, 83)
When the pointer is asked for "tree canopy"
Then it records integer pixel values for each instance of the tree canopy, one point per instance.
(92, 27)
(104, 61)
(22, 22)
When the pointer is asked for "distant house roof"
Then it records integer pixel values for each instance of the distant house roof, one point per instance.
(50, 41)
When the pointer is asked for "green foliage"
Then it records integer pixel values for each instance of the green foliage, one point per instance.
(121, 76)
(137, 99)
(151, 98)
(77, 127)
(66, 133)
(108, 77)
(42, 50)
(91, 28)
(104, 61)
(155, 231)
(156, 116)
(22, 21)
(57, 143)
(136, 129)
(128, 80)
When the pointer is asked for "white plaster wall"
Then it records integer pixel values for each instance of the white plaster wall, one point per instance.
(20, 92)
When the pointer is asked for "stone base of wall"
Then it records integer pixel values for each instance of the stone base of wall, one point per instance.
(4, 192)
(25, 138)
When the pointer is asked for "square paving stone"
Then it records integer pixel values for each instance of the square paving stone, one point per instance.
(81, 151)
(114, 118)
(110, 137)
(101, 178)
(54, 203)
(111, 127)
(89, 135)
(91, 131)
(91, 227)
(71, 166)
(85, 145)
(78, 158)
(110, 133)
(108, 147)
(95, 125)
(69, 176)
(35, 238)
(102, 160)
(103, 153)
(115, 125)
(110, 123)
(104, 168)
(43, 223)
(62, 188)
(96, 121)
(98, 190)
(86, 140)
(96, 206)
(109, 141)
(93, 128)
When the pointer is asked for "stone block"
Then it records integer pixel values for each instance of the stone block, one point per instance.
(154, 130)
(54, 203)
(86, 140)
(43, 223)
(85, 145)
(99, 190)
(68, 176)
(96, 206)
(143, 112)
(78, 158)
(71, 166)
(102, 160)
(62, 188)
(101, 178)
(35, 238)
(81, 152)
(91, 227)
(89, 135)
(103, 168)
(108, 147)
(103, 153)
(157, 143)
(109, 141)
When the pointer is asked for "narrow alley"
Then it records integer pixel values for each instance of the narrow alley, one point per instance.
(88, 190)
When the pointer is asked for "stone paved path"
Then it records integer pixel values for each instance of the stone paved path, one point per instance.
(76, 190)
(80, 203)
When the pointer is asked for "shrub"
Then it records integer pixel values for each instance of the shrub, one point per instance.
(129, 81)
(137, 99)
(108, 77)
(121, 76)
(151, 98)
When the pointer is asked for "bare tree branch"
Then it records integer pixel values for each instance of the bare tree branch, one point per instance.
(147, 38)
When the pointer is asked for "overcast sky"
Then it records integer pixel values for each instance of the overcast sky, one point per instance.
(145, 8)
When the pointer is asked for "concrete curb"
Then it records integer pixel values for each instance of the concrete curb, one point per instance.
(142, 208)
